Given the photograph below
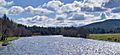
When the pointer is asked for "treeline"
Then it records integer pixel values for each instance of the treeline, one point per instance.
(8, 28)
(65, 31)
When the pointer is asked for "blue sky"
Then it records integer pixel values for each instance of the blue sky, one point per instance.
(34, 3)
(25, 3)
(59, 12)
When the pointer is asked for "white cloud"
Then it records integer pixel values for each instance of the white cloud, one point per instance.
(39, 18)
(38, 10)
(95, 3)
(77, 16)
(75, 6)
(61, 16)
(114, 16)
(56, 4)
(44, 21)
(36, 20)
(5, 3)
(15, 10)
(83, 18)
(3, 10)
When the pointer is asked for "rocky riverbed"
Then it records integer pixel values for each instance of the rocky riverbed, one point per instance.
(58, 45)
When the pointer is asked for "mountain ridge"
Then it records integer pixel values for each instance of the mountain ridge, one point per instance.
(107, 26)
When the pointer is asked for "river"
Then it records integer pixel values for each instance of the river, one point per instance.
(58, 45)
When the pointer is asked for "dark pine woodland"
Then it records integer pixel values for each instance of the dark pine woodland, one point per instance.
(65, 31)
(8, 28)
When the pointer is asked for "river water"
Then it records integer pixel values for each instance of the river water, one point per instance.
(58, 45)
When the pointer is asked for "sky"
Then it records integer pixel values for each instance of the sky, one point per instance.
(57, 13)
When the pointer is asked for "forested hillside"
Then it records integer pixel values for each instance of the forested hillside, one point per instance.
(107, 26)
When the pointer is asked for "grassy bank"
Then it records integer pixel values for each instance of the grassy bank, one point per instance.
(9, 39)
(105, 37)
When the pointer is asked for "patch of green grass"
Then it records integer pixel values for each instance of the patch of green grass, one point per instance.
(105, 37)
(9, 39)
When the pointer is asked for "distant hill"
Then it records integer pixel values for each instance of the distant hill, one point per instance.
(107, 26)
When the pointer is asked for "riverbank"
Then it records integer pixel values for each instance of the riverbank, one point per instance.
(105, 37)
(9, 39)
